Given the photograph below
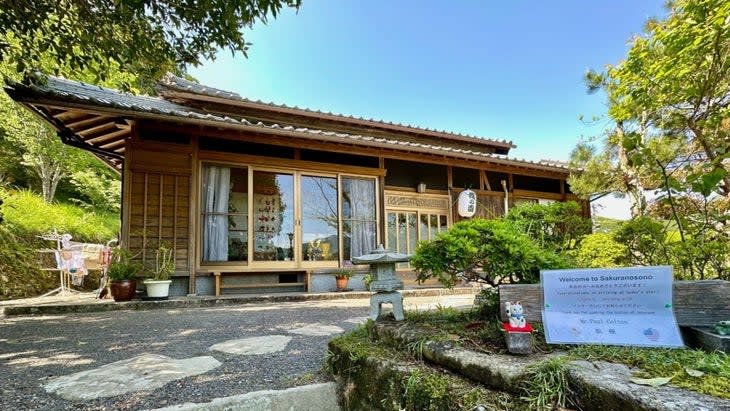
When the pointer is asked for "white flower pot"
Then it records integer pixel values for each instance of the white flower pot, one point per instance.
(158, 289)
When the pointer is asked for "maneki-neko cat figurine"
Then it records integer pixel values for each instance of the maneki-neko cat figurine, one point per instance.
(518, 332)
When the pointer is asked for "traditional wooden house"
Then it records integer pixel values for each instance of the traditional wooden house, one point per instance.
(277, 194)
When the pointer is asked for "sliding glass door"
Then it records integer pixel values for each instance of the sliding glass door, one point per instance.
(320, 219)
(284, 219)
(273, 216)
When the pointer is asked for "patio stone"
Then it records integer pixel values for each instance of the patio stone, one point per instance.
(266, 344)
(317, 330)
(144, 372)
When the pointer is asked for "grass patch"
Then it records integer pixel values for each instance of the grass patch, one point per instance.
(27, 214)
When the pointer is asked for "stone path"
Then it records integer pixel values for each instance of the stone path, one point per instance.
(183, 359)
(144, 372)
(253, 345)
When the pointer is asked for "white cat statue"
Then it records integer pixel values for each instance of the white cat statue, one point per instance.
(516, 314)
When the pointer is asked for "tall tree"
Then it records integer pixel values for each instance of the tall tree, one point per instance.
(145, 37)
(670, 101)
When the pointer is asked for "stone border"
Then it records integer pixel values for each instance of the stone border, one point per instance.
(596, 385)
(211, 301)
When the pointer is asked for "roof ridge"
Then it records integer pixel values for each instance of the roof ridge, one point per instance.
(171, 81)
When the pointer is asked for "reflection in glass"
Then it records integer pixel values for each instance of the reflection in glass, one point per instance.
(273, 216)
(320, 241)
(224, 214)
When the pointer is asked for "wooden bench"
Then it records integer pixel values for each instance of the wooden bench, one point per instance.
(219, 274)
(696, 303)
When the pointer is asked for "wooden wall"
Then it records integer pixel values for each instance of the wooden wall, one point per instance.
(158, 200)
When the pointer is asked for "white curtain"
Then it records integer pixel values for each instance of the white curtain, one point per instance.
(362, 206)
(216, 188)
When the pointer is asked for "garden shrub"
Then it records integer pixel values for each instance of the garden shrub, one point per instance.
(704, 255)
(493, 251)
(601, 250)
(557, 226)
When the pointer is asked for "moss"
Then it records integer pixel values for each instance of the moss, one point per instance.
(658, 362)
(375, 376)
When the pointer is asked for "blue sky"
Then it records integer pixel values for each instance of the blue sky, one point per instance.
(498, 69)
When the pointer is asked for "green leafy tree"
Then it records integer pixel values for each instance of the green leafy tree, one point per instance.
(492, 251)
(145, 37)
(670, 100)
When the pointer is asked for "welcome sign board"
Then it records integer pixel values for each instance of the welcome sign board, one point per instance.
(613, 306)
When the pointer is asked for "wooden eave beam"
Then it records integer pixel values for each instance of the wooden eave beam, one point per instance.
(107, 137)
(69, 115)
(89, 122)
(115, 143)
(97, 129)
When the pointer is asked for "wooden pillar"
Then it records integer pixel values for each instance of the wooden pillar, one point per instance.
(381, 206)
(193, 229)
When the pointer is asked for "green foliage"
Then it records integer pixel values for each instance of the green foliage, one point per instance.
(29, 214)
(556, 226)
(653, 242)
(601, 250)
(96, 190)
(645, 239)
(493, 251)
(147, 38)
(164, 264)
(343, 272)
(122, 266)
(546, 385)
(400, 382)
(19, 272)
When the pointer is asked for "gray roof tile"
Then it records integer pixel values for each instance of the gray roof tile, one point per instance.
(73, 91)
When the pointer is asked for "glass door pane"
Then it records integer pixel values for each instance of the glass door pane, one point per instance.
(224, 214)
(273, 216)
(320, 241)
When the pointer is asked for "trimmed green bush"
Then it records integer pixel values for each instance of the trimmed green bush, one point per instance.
(601, 250)
(493, 251)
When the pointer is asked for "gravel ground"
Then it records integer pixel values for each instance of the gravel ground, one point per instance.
(36, 349)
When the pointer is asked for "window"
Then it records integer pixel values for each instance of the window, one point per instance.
(358, 216)
(406, 228)
(224, 227)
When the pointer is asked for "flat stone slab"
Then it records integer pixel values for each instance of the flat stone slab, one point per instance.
(317, 330)
(144, 372)
(315, 397)
(266, 344)
(609, 385)
(357, 320)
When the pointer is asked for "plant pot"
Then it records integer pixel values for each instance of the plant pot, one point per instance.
(341, 282)
(158, 289)
(123, 290)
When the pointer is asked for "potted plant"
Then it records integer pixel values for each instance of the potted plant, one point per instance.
(342, 276)
(122, 272)
(158, 277)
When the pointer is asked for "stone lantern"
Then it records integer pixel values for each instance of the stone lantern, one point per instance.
(384, 283)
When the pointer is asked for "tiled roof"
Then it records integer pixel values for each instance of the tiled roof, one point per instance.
(172, 82)
(73, 93)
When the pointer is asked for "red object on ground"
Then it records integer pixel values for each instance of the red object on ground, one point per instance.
(526, 329)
